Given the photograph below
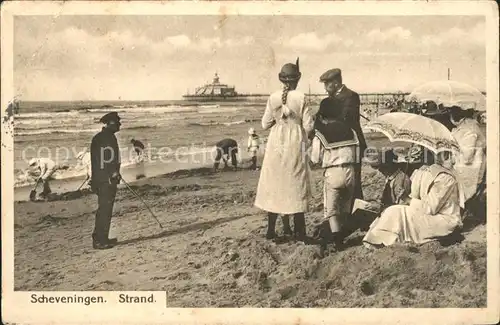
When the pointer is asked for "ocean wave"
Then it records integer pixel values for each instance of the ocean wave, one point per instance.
(43, 115)
(150, 109)
(210, 123)
(140, 127)
(56, 131)
(217, 109)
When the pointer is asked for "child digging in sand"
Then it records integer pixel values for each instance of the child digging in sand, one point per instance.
(47, 168)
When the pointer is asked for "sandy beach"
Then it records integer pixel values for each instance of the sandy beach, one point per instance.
(212, 251)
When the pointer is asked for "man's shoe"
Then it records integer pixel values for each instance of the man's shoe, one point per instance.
(113, 241)
(97, 245)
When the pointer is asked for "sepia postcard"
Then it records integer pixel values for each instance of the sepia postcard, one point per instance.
(250, 162)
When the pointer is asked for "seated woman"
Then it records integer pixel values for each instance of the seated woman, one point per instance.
(433, 212)
(470, 166)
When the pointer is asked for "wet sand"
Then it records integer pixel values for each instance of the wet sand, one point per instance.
(212, 251)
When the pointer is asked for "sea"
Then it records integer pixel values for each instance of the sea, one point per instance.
(179, 135)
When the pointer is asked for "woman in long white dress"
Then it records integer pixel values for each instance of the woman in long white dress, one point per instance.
(434, 210)
(470, 164)
(284, 183)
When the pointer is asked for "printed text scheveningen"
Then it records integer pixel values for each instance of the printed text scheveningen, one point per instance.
(75, 299)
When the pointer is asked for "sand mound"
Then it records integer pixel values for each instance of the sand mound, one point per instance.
(292, 275)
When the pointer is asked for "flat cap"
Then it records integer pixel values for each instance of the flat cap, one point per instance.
(110, 117)
(330, 75)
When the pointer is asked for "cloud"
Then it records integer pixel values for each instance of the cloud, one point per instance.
(73, 47)
(390, 34)
(179, 40)
(474, 36)
(311, 41)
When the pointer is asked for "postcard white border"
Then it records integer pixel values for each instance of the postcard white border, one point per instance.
(15, 305)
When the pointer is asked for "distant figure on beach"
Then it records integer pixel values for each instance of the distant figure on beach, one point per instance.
(84, 159)
(139, 150)
(344, 100)
(226, 148)
(284, 184)
(105, 159)
(253, 147)
(47, 167)
(334, 147)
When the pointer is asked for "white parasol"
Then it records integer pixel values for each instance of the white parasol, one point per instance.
(413, 128)
(450, 93)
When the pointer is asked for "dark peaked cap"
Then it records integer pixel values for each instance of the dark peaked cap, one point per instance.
(112, 116)
(330, 75)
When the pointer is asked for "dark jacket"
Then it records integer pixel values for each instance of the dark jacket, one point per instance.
(227, 145)
(397, 188)
(344, 106)
(104, 157)
(330, 123)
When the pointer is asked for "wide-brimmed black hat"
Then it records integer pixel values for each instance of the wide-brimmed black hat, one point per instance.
(110, 117)
(290, 72)
(431, 108)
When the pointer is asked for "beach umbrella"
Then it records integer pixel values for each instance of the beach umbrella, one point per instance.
(413, 128)
(450, 93)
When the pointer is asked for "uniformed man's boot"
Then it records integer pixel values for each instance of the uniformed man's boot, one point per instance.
(99, 245)
(216, 166)
(271, 225)
(287, 230)
(299, 227)
(96, 244)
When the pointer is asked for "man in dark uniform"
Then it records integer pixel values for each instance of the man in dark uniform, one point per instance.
(105, 161)
(343, 104)
(229, 148)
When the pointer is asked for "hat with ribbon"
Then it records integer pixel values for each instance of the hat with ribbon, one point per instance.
(290, 72)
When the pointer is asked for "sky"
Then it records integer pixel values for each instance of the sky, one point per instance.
(162, 57)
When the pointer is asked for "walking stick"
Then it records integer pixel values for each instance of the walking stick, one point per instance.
(140, 198)
(85, 181)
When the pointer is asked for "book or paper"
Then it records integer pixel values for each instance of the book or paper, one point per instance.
(363, 205)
